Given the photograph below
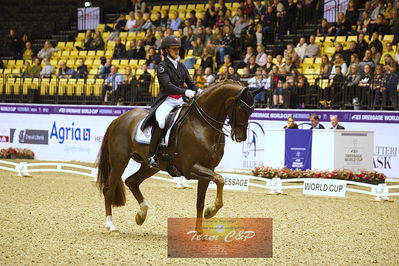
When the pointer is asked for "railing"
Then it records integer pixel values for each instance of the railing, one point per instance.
(274, 185)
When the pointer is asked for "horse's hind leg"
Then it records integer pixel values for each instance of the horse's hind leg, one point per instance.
(133, 182)
(117, 166)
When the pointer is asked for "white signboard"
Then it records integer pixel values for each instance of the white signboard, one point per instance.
(233, 182)
(324, 187)
(88, 18)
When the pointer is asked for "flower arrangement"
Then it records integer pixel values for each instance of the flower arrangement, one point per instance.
(16, 153)
(285, 172)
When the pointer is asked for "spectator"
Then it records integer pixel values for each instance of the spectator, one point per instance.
(389, 12)
(342, 26)
(25, 69)
(351, 89)
(193, 18)
(176, 22)
(137, 5)
(209, 77)
(222, 6)
(97, 42)
(34, 70)
(88, 41)
(379, 9)
(165, 20)
(259, 34)
(325, 67)
(390, 94)
(227, 62)
(312, 49)
(149, 38)
(269, 25)
(153, 58)
(14, 44)
(291, 15)
(47, 70)
(354, 61)
(350, 51)
(64, 71)
(389, 50)
(82, 69)
(335, 123)
(147, 22)
(365, 85)
(199, 78)
(249, 8)
(362, 45)
(256, 83)
(279, 61)
(210, 15)
(261, 56)
(367, 60)
(250, 52)
(269, 63)
(248, 36)
(301, 47)
(239, 26)
(233, 74)
(339, 49)
(291, 123)
(47, 51)
(226, 46)
(329, 95)
(278, 98)
(137, 52)
(145, 80)
(365, 24)
(223, 73)
(388, 59)
(352, 13)
(119, 50)
(28, 53)
(339, 61)
(105, 67)
(131, 22)
(377, 86)
(207, 59)
(111, 91)
(187, 25)
(157, 21)
(245, 76)
(395, 27)
(314, 120)
(290, 51)
(252, 65)
(375, 42)
(288, 65)
(375, 55)
(220, 18)
(324, 28)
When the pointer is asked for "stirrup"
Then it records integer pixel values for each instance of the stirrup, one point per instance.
(153, 162)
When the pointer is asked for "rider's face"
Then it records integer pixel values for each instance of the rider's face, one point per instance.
(173, 51)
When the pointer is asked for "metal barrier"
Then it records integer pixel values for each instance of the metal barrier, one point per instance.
(274, 185)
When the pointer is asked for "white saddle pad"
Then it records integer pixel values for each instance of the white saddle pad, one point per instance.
(144, 136)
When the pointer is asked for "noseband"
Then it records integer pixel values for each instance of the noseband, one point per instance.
(232, 122)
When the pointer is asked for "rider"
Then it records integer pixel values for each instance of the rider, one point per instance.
(171, 76)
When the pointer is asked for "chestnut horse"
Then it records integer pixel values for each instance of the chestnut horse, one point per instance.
(198, 148)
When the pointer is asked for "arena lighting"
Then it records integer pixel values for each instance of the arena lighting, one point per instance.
(87, 4)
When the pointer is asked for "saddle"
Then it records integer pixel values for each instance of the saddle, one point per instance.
(168, 136)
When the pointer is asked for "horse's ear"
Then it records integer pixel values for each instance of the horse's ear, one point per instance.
(255, 92)
(242, 92)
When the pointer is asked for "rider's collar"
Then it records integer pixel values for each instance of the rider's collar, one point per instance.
(174, 61)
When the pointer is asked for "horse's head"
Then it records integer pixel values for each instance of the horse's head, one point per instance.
(240, 112)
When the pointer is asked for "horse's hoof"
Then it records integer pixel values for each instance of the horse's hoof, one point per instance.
(139, 219)
(114, 232)
(199, 231)
(207, 213)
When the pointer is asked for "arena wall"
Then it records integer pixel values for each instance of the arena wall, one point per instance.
(74, 133)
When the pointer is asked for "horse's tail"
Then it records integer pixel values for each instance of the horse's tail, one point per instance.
(114, 190)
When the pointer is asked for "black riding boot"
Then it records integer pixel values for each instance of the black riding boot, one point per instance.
(155, 139)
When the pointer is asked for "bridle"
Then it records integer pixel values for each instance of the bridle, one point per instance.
(232, 123)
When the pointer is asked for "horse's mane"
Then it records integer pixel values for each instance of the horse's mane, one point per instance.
(223, 82)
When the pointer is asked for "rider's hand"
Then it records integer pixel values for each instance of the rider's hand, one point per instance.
(199, 91)
(189, 93)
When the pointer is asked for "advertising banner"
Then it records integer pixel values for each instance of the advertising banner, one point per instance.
(298, 149)
(62, 132)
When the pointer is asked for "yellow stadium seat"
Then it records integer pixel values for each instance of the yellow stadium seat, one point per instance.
(156, 8)
(173, 7)
(10, 64)
(124, 62)
(98, 87)
(83, 54)
(109, 53)
(18, 86)
(61, 45)
(91, 54)
(53, 87)
(190, 7)
(340, 39)
(89, 62)
(139, 72)
(352, 38)
(70, 63)
(62, 86)
(308, 61)
(317, 60)
(93, 71)
(44, 86)
(74, 54)
(323, 83)
(134, 63)
(80, 36)
(16, 71)
(19, 63)
(329, 51)
(7, 71)
(65, 55)
(100, 53)
(388, 38)
(182, 7)
(152, 72)
(319, 39)
(80, 87)
(70, 90)
(9, 85)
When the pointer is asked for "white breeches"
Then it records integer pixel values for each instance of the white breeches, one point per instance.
(164, 109)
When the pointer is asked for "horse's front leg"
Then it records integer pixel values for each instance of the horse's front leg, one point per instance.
(204, 175)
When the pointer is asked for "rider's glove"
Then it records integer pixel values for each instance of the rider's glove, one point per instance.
(199, 91)
(189, 94)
